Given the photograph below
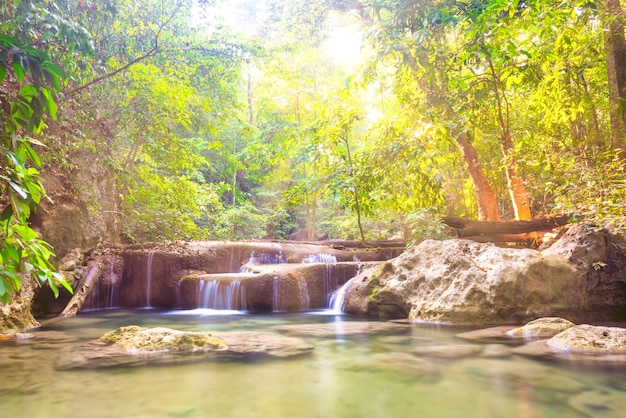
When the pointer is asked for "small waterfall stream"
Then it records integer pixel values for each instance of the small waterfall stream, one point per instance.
(149, 280)
(216, 295)
(337, 298)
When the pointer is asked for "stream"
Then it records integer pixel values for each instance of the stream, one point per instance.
(364, 375)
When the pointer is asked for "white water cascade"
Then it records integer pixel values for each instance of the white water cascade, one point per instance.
(149, 280)
(337, 298)
(215, 295)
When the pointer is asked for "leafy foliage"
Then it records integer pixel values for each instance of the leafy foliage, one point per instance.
(36, 79)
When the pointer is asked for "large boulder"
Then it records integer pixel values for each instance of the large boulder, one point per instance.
(581, 277)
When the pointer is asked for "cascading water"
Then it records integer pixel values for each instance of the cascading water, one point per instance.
(336, 300)
(149, 280)
(278, 303)
(260, 259)
(320, 258)
(331, 283)
(215, 295)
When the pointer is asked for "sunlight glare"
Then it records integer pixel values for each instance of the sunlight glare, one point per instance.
(344, 45)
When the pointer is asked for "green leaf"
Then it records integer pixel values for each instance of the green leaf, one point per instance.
(33, 155)
(19, 71)
(11, 278)
(6, 213)
(19, 190)
(11, 253)
(53, 286)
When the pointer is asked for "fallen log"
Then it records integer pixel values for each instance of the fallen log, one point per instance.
(473, 228)
(529, 239)
(83, 291)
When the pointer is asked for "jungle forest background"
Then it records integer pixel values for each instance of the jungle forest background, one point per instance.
(362, 119)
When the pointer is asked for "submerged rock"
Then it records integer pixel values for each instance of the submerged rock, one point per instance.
(451, 351)
(137, 346)
(599, 403)
(581, 277)
(268, 344)
(396, 362)
(542, 328)
(334, 329)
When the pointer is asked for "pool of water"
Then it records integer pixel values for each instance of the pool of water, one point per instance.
(359, 376)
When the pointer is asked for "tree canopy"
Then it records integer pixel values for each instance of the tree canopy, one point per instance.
(232, 120)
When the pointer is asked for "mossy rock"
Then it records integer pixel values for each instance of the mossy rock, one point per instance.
(138, 339)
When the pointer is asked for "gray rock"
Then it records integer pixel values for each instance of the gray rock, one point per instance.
(463, 281)
(540, 350)
(246, 343)
(590, 339)
(72, 260)
(542, 328)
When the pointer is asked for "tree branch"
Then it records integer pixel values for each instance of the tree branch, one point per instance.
(148, 54)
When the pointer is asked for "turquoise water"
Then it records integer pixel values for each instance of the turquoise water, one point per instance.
(360, 376)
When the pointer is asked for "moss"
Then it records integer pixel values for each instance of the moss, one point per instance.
(134, 338)
(120, 334)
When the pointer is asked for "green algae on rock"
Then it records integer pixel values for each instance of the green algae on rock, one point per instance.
(138, 339)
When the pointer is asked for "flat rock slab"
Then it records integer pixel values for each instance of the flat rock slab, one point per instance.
(334, 329)
(223, 346)
(494, 335)
(268, 344)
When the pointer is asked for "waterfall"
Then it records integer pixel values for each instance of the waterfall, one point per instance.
(320, 258)
(336, 300)
(215, 295)
(149, 279)
(278, 302)
(114, 284)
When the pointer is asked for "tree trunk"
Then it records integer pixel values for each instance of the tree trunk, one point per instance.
(83, 292)
(615, 45)
(469, 227)
(517, 189)
(485, 196)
